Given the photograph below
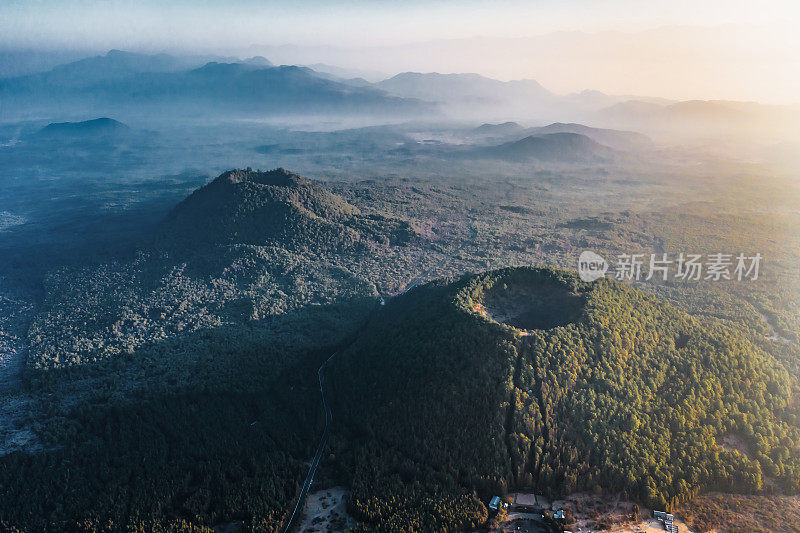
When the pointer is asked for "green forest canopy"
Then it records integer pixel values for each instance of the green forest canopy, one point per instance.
(444, 407)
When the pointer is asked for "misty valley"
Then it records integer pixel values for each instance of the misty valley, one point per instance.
(239, 296)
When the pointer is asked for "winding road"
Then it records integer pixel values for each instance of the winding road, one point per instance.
(323, 441)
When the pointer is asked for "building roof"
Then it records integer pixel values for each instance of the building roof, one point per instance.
(495, 502)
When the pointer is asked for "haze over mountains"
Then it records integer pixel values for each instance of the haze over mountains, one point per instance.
(123, 81)
(562, 147)
(472, 90)
(618, 139)
(87, 129)
(189, 85)
(679, 61)
(189, 343)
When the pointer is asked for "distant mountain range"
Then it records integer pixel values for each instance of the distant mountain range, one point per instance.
(517, 98)
(498, 130)
(473, 88)
(704, 118)
(369, 76)
(85, 73)
(201, 85)
(473, 96)
(131, 82)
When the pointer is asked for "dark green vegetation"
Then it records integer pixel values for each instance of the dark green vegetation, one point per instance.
(164, 463)
(441, 408)
(179, 383)
(275, 208)
(243, 261)
(185, 328)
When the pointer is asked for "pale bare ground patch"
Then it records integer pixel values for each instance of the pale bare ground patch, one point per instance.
(326, 510)
(593, 513)
(736, 513)
(733, 442)
(504, 306)
(651, 525)
(16, 436)
(518, 499)
(480, 309)
(16, 430)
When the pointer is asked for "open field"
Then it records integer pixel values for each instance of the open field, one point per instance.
(731, 513)
(326, 511)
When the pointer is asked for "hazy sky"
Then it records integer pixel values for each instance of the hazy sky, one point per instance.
(676, 48)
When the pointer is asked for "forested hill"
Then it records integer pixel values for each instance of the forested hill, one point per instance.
(447, 400)
(564, 147)
(81, 130)
(179, 385)
(274, 208)
(270, 252)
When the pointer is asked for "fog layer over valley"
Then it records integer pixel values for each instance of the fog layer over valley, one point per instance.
(185, 240)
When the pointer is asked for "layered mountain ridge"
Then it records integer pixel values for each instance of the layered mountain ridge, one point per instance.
(120, 80)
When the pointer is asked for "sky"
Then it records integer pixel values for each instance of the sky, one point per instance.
(682, 49)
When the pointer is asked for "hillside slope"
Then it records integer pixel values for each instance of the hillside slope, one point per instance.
(436, 87)
(617, 139)
(180, 382)
(555, 147)
(609, 390)
(274, 208)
